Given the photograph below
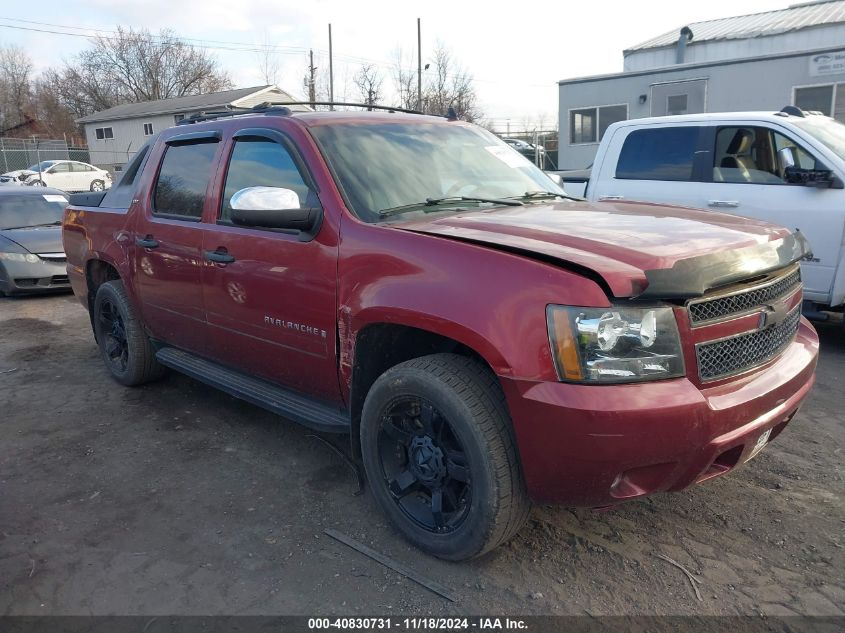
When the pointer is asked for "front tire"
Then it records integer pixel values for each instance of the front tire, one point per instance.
(440, 456)
(124, 345)
(98, 185)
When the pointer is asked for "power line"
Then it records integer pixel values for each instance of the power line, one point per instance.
(225, 45)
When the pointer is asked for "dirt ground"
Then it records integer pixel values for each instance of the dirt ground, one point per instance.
(177, 499)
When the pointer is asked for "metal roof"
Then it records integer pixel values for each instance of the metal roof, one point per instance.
(794, 18)
(191, 103)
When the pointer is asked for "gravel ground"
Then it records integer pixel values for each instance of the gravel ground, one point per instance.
(174, 499)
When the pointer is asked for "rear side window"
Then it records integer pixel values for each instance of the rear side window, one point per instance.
(183, 180)
(258, 162)
(664, 153)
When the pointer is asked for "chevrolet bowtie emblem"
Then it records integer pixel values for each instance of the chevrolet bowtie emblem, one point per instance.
(772, 315)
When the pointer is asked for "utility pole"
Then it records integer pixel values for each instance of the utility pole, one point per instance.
(419, 66)
(331, 70)
(312, 97)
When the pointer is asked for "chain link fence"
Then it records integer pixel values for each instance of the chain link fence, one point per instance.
(20, 153)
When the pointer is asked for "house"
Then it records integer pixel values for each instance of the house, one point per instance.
(114, 135)
(764, 61)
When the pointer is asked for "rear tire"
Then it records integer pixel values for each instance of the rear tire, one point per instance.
(441, 458)
(124, 345)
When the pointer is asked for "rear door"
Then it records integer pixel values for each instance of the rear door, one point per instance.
(271, 308)
(168, 240)
(652, 164)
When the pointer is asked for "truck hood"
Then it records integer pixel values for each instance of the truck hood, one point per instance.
(636, 249)
(41, 239)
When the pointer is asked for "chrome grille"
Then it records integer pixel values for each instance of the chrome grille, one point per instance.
(736, 354)
(704, 310)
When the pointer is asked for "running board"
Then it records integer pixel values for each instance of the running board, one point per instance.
(288, 404)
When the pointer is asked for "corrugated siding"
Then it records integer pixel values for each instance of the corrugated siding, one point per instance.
(755, 25)
(830, 36)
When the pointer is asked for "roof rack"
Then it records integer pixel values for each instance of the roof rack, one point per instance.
(368, 106)
(279, 108)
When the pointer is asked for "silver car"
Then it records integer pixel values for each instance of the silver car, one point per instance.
(32, 259)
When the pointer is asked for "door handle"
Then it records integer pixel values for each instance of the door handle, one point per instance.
(220, 256)
(723, 204)
(147, 242)
(603, 198)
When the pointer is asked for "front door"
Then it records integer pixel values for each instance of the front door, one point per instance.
(747, 180)
(270, 304)
(168, 243)
(59, 176)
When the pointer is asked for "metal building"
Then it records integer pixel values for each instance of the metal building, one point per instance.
(114, 135)
(762, 61)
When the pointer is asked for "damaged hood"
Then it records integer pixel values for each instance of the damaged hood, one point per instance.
(17, 173)
(638, 250)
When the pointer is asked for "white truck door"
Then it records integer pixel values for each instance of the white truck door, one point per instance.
(748, 180)
(654, 163)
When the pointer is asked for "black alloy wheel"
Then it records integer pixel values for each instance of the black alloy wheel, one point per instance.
(424, 465)
(112, 328)
(124, 344)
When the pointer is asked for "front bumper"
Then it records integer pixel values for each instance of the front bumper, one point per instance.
(596, 445)
(33, 277)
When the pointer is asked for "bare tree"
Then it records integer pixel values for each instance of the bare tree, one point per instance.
(134, 66)
(269, 66)
(450, 85)
(405, 79)
(15, 88)
(368, 80)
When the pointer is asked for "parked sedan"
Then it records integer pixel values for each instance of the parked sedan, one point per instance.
(67, 175)
(32, 258)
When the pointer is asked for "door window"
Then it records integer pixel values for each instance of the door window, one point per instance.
(748, 154)
(258, 162)
(59, 168)
(660, 153)
(183, 180)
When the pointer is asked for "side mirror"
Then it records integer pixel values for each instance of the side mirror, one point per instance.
(786, 159)
(821, 178)
(274, 208)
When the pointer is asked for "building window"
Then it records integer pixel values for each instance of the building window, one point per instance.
(103, 133)
(676, 104)
(828, 99)
(588, 125)
(178, 117)
(148, 129)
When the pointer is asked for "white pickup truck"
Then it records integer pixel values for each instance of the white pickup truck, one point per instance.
(786, 167)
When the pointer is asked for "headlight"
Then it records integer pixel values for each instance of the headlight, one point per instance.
(20, 257)
(614, 344)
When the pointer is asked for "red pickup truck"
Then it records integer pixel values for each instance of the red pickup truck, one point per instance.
(414, 282)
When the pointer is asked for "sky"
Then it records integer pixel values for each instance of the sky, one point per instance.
(516, 52)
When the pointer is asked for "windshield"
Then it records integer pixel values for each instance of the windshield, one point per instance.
(388, 165)
(20, 211)
(829, 131)
(44, 165)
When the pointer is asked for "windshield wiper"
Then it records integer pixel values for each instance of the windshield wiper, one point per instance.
(540, 193)
(433, 202)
